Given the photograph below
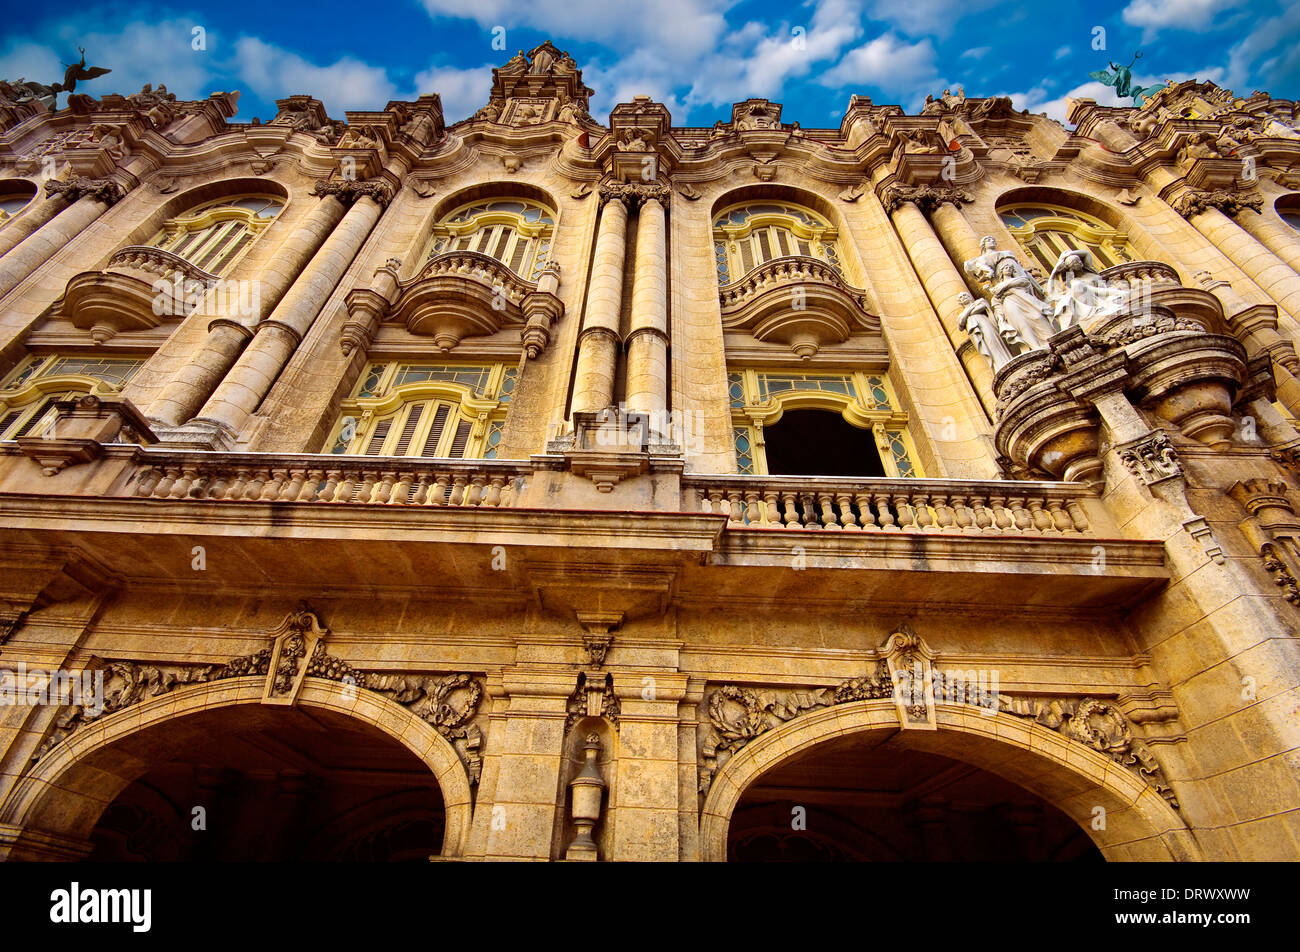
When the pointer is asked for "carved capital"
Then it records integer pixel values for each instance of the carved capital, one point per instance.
(1194, 201)
(348, 191)
(103, 190)
(925, 197)
(1150, 458)
(634, 194)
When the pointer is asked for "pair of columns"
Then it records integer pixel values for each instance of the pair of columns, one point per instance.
(647, 340)
(35, 237)
(236, 367)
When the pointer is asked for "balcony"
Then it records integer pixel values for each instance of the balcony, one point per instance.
(368, 523)
(463, 294)
(140, 289)
(798, 302)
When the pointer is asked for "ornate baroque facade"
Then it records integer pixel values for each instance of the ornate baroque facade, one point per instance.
(527, 488)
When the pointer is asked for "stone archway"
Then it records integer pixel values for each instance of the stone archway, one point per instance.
(50, 812)
(1140, 825)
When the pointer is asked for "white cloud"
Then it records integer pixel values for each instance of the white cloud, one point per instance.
(275, 73)
(888, 62)
(1063, 52)
(691, 26)
(1156, 15)
(1256, 46)
(978, 53)
(463, 91)
(935, 18)
(30, 61)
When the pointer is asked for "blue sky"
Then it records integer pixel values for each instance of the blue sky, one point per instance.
(697, 56)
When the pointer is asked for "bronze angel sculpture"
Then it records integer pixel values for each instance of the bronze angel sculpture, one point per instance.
(24, 91)
(1122, 80)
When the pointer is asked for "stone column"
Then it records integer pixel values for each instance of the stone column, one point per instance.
(1275, 235)
(1278, 279)
(29, 221)
(275, 339)
(943, 282)
(182, 396)
(593, 385)
(90, 198)
(647, 356)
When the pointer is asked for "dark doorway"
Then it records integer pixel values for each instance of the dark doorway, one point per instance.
(849, 801)
(820, 443)
(297, 785)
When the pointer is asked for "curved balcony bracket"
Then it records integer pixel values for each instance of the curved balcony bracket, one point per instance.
(139, 289)
(467, 294)
(1166, 364)
(799, 302)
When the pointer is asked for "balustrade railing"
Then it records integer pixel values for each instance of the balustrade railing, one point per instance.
(330, 479)
(891, 505)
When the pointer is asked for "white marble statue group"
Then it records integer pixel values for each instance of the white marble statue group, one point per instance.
(1019, 315)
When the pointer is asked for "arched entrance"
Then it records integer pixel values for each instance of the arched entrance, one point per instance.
(1045, 773)
(344, 774)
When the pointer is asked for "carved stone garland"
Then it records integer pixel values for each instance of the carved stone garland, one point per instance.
(738, 714)
(448, 703)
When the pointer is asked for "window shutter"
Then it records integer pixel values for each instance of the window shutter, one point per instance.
(765, 245)
(233, 253)
(36, 417)
(8, 421)
(517, 260)
(377, 439)
(500, 251)
(408, 431)
(435, 431)
(459, 441)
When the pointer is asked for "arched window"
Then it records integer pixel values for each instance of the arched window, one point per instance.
(1046, 231)
(516, 232)
(13, 198)
(216, 235)
(454, 411)
(28, 395)
(829, 424)
(1291, 216)
(747, 235)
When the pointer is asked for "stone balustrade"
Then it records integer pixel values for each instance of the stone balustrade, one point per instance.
(783, 271)
(328, 479)
(1136, 273)
(158, 262)
(967, 507)
(473, 264)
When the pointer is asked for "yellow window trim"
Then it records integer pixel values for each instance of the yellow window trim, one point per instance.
(756, 414)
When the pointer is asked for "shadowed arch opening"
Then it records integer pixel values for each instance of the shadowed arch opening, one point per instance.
(343, 774)
(1136, 823)
(816, 442)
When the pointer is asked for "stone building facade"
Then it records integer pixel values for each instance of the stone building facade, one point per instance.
(528, 488)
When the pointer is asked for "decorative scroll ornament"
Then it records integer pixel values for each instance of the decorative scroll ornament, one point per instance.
(593, 697)
(634, 194)
(1194, 201)
(349, 190)
(1273, 529)
(448, 703)
(103, 190)
(926, 197)
(739, 714)
(1151, 458)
